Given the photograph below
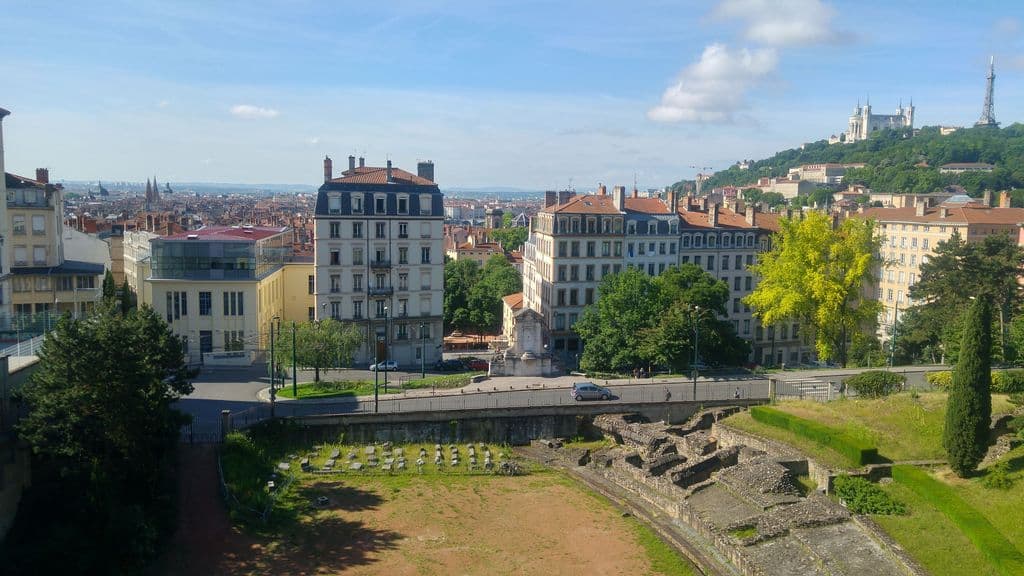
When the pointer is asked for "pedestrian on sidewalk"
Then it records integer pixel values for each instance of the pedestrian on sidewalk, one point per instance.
(668, 395)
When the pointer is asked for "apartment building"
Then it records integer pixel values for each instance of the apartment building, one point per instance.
(136, 255)
(222, 288)
(379, 256)
(910, 235)
(578, 240)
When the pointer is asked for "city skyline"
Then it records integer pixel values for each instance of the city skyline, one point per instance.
(506, 94)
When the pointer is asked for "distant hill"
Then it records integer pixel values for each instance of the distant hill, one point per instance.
(897, 162)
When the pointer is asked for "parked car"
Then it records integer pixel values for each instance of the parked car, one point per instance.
(386, 366)
(449, 366)
(589, 391)
(477, 364)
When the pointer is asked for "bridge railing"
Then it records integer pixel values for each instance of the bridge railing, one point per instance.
(29, 347)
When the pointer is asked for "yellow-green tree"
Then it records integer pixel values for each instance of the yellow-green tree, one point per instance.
(821, 277)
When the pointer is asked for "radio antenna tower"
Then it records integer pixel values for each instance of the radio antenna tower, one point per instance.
(988, 117)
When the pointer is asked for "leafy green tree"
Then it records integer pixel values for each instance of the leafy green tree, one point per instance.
(109, 287)
(103, 433)
(127, 297)
(319, 344)
(459, 278)
(969, 408)
(497, 279)
(647, 321)
(817, 275)
(511, 237)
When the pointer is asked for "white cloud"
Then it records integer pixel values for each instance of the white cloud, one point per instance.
(249, 111)
(783, 22)
(163, 104)
(713, 88)
(313, 141)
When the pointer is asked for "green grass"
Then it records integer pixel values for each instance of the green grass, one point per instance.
(806, 484)
(999, 551)
(745, 532)
(442, 381)
(585, 444)
(853, 448)
(324, 389)
(664, 559)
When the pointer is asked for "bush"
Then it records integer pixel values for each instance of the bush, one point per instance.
(1017, 399)
(875, 383)
(990, 542)
(864, 497)
(856, 451)
(941, 380)
(998, 477)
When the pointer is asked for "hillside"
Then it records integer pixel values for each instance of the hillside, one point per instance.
(894, 160)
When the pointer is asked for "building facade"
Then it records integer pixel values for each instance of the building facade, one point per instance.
(222, 288)
(863, 123)
(379, 259)
(911, 234)
(575, 243)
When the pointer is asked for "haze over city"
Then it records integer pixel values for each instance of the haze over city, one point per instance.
(521, 94)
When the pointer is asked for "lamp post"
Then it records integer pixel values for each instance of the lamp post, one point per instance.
(295, 377)
(892, 334)
(423, 352)
(273, 392)
(696, 341)
(386, 355)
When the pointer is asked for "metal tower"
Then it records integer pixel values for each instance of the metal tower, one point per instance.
(988, 117)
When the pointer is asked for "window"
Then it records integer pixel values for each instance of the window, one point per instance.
(746, 326)
(379, 230)
(38, 225)
(402, 332)
(562, 272)
(19, 224)
(650, 269)
(574, 273)
(746, 283)
(234, 304)
(335, 257)
(357, 256)
(559, 321)
(618, 249)
(591, 250)
(357, 282)
(379, 281)
(379, 205)
(605, 269)
(381, 308)
(589, 297)
(335, 230)
(425, 207)
(661, 248)
(403, 308)
(85, 282)
(574, 297)
(697, 260)
(336, 310)
(403, 255)
(686, 241)
(562, 248)
(403, 229)
(561, 297)
(711, 262)
(357, 229)
(334, 204)
(606, 248)
(403, 281)
(20, 256)
(736, 305)
(205, 303)
(590, 273)
(424, 229)
(925, 244)
(357, 309)
(403, 204)
(425, 280)
(575, 252)
(335, 283)
(311, 311)
(736, 283)
(39, 255)
(42, 283)
(312, 283)
(425, 255)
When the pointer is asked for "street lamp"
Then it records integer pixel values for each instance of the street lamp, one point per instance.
(423, 352)
(273, 371)
(696, 341)
(385, 349)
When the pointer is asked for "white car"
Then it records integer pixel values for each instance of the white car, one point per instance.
(386, 366)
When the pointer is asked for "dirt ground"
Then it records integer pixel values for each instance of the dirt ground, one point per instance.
(539, 524)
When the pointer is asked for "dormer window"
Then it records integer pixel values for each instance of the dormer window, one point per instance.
(334, 204)
(357, 203)
(403, 204)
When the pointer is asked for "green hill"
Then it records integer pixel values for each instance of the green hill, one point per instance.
(894, 160)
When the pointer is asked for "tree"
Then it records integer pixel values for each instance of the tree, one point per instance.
(318, 344)
(510, 237)
(459, 278)
(109, 287)
(127, 297)
(647, 321)
(817, 275)
(103, 435)
(497, 279)
(969, 407)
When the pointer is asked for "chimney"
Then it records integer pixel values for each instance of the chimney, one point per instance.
(362, 162)
(351, 162)
(390, 178)
(42, 175)
(425, 170)
(713, 215)
(3, 179)
(636, 193)
(550, 198)
(919, 209)
(620, 198)
(704, 203)
(602, 189)
(986, 198)
(738, 206)
(672, 202)
(943, 211)
(751, 216)
(1004, 199)
(328, 168)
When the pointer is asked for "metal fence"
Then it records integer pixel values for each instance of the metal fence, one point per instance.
(807, 389)
(29, 347)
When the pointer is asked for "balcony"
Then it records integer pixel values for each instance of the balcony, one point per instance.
(403, 234)
(381, 290)
(380, 263)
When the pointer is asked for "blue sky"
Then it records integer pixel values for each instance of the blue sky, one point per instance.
(498, 93)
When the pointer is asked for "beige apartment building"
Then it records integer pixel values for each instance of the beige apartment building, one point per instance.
(910, 235)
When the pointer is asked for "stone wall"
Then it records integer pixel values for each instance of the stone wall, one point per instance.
(797, 463)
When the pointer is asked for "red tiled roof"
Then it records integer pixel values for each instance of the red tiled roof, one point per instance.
(514, 301)
(379, 175)
(588, 204)
(228, 233)
(969, 214)
(646, 205)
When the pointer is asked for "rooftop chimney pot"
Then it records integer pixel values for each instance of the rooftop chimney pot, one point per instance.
(362, 162)
(42, 175)
(351, 162)
(328, 168)
(390, 178)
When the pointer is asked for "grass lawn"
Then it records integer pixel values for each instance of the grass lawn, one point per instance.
(901, 426)
(324, 389)
(1003, 508)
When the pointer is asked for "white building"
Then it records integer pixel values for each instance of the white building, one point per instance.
(379, 259)
(862, 122)
(137, 255)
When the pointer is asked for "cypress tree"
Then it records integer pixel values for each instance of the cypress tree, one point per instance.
(109, 287)
(969, 407)
(126, 297)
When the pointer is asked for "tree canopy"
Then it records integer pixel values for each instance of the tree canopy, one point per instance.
(472, 295)
(318, 344)
(644, 321)
(818, 276)
(969, 408)
(103, 433)
(511, 237)
(896, 162)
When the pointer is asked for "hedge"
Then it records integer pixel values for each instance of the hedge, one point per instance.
(1003, 381)
(864, 497)
(1001, 553)
(856, 451)
(875, 383)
